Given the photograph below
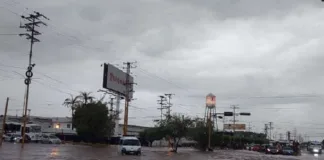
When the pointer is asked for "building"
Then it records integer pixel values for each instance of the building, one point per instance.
(133, 130)
(48, 124)
(64, 125)
(60, 125)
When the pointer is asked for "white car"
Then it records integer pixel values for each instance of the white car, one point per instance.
(129, 145)
(51, 139)
(11, 137)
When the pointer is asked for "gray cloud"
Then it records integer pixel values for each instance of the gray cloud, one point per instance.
(239, 50)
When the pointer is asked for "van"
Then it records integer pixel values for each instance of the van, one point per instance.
(129, 145)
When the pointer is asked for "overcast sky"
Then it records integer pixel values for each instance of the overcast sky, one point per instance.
(264, 55)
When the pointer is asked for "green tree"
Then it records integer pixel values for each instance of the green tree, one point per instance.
(152, 134)
(176, 127)
(86, 97)
(199, 133)
(72, 103)
(92, 121)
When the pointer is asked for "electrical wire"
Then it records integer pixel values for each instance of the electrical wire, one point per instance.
(9, 34)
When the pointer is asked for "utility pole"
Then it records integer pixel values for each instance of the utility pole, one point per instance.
(266, 130)
(250, 127)
(295, 133)
(111, 103)
(129, 89)
(168, 107)
(209, 130)
(234, 107)
(162, 105)
(4, 121)
(169, 95)
(34, 21)
(270, 129)
(280, 136)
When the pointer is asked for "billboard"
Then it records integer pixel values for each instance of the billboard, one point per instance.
(210, 101)
(115, 79)
(237, 126)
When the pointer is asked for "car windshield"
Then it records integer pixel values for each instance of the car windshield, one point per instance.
(131, 142)
(287, 148)
(317, 146)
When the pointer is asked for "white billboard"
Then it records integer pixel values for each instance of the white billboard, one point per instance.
(115, 79)
(236, 126)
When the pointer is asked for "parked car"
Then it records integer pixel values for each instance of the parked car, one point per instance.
(272, 150)
(287, 151)
(19, 139)
(129, 145)
(12, 137)
(256, 148)
(50, 139)
(6, 137)
(249, 147)
(264, 147)
(316, 149)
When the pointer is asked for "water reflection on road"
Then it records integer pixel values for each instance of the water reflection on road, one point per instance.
(10, 151)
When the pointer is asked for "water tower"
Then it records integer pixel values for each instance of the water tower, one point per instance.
(210, 109)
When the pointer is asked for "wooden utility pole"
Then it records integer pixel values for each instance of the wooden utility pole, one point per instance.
(34, 21)
(270, 129)
(4, 121)
(111, 110)
(234, 107)
(162, 106)
(209, 130)
(169, 105)
(129, 89)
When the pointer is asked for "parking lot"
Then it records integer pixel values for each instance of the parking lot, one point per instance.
(13, 151)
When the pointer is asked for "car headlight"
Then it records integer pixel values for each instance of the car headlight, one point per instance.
(139, 149)
(315, 150)
(123, 149)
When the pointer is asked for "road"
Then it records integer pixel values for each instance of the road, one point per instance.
(11, 151)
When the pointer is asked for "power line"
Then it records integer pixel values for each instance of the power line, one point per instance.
(43, 74)
(161, 78)
(53, 88)
(9, 34)
(70, 37)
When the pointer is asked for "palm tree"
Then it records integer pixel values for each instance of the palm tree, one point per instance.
(71, 103)
(86, 97)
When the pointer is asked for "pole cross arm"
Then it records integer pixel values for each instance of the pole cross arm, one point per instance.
(245, 114)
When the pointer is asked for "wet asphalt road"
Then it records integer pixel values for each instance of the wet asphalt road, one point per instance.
(11, 151)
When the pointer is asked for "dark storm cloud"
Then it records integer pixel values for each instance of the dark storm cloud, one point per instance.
(245, 9)
(231, 48)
